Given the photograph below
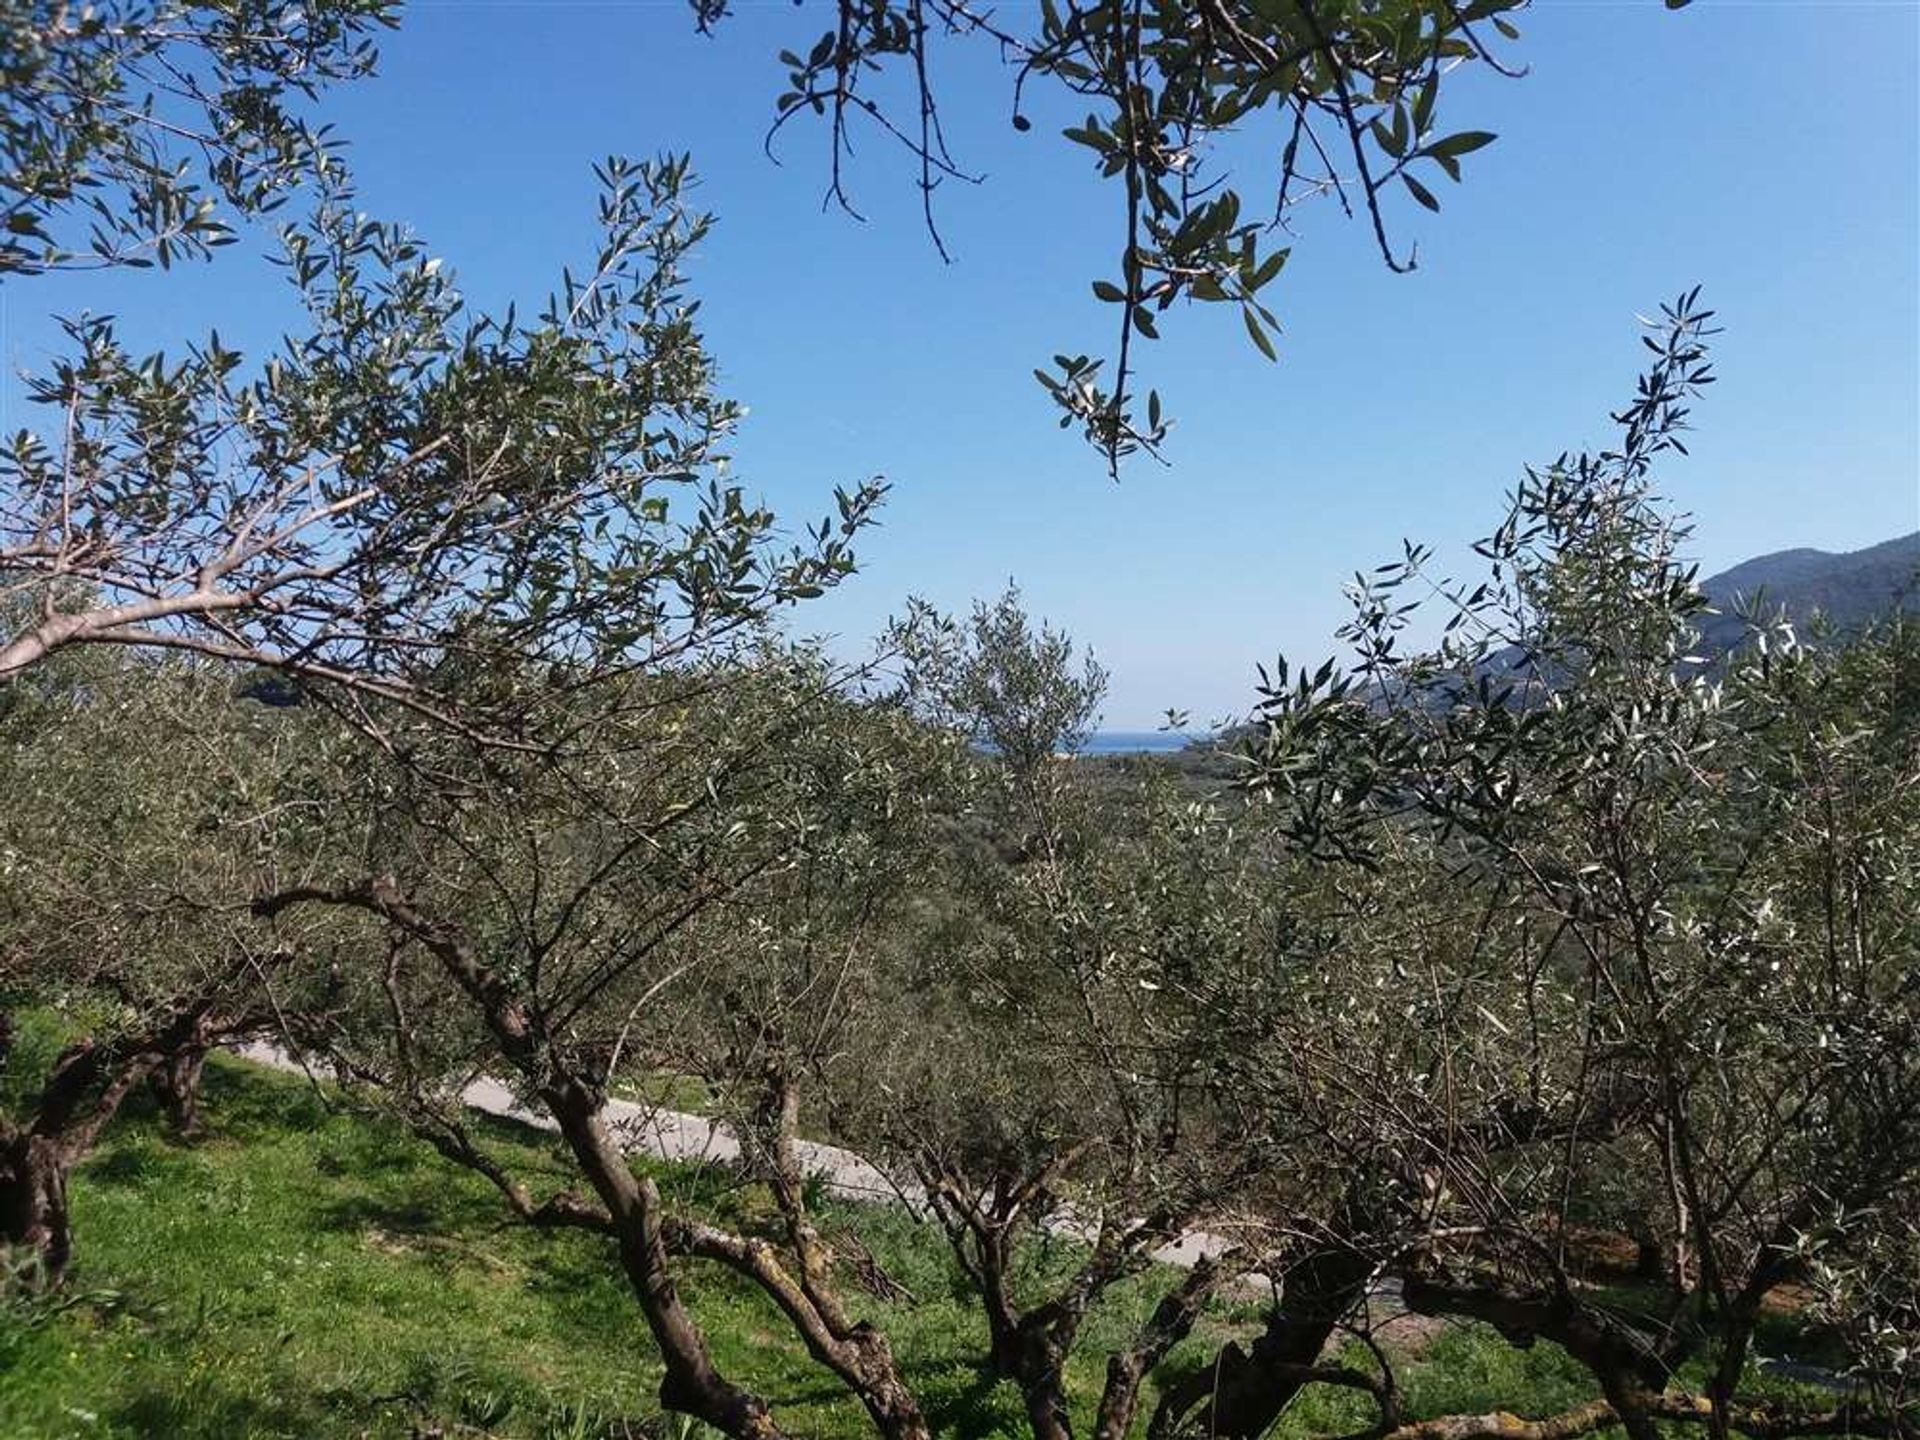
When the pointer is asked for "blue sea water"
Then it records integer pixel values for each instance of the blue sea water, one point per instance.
(1136, 742)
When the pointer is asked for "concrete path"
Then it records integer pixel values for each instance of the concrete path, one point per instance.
(693, 1139)
(652, 1130)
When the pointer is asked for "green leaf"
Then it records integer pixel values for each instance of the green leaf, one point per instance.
(1423, 105)
(1259, 336)
(1465, 143)
(1420, 193)
(1269, 268)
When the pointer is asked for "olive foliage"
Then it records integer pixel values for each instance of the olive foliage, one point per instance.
(412, 494)
(1668, 991)
(135, 132)
(145, 801)
(1340, 99)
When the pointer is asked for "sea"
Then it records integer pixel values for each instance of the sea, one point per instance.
(1136, 742)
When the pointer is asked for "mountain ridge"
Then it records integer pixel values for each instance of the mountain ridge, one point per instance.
(1849, 588)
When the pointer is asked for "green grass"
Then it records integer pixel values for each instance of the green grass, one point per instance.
(688, 1093)
(304, 1272)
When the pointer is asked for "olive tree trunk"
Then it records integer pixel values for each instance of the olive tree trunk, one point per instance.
(34, 1224)
(83, 1091)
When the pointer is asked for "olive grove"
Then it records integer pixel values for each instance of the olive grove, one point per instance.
(428, 700)
(1539, 938)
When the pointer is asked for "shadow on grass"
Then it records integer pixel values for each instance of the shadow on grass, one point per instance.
(964, 1398)
(356, 1214)
(208, 1409)
(244, 1101)
(126, 1166)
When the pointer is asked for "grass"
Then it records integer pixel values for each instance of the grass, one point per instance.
(304, 1272)
(669, 1091)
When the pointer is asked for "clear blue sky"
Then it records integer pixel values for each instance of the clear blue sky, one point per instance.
(1769, 151)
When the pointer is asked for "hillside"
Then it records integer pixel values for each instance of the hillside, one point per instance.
(1848, 589)
(390, 1302)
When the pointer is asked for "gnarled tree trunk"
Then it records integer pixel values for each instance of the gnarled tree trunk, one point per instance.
(33, 1202)
(1171, 1322)
(1631, 1371)
(1036, 1362)
(633, 1212)
(1242, 1393)
(856, 1351)
(176, 1085)
(82, 1093)
(1028, 1349)
(693, 1384)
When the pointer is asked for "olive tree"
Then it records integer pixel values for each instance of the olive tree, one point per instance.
(688, 887)
(144, 803)
(1061, 1091)
(1011, 688)
(127, 125)
(1684, 928)
(457, 534)
(409, 490)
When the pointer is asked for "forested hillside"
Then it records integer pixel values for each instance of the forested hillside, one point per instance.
(1847, 590)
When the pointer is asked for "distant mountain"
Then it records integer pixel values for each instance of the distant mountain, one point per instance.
(1849, 589)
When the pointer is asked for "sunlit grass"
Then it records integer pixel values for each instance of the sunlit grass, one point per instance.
(306, 1272)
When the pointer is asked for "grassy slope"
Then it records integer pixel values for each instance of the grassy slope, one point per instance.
(307, 1273)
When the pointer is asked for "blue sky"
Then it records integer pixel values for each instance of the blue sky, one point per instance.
(1768, 151)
